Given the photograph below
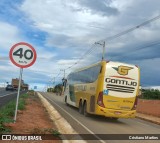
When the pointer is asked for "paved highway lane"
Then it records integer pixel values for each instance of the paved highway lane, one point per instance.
(3, 92)
(2, 88)
(6, 96)
(102, 125)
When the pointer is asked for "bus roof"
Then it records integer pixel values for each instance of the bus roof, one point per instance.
(86, 67)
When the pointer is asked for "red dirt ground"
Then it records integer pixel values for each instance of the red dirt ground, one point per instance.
(33, 120)
(150, 107)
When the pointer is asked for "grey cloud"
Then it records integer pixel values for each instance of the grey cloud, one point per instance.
(59, 40)
(131, 52)
(139, 12)
(150, 72)
(101, 7)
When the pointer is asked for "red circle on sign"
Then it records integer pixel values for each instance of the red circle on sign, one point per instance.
(22, 44)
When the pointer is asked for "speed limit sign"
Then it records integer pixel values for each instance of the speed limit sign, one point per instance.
(22, 55)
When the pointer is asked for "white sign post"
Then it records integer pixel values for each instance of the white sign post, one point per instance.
(22, 55)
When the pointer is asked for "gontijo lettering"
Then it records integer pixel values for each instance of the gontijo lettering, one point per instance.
(121, 82)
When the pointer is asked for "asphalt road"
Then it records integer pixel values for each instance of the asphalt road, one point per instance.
(101, 125)
(6, 96)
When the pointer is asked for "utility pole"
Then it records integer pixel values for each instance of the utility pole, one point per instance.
(103, 53)
(63, 81)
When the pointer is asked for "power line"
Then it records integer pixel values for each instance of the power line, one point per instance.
(89, 51)
(131, 29)
(139, 48)
(115, 36)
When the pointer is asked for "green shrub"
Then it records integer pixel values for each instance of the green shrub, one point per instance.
(150, 94)
(7, 112)
(21, 104)
(24, 96)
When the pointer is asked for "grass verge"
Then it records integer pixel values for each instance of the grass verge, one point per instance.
(7, 112)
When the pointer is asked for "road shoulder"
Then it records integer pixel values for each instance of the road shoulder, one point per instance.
(63, 126)
(149, 118)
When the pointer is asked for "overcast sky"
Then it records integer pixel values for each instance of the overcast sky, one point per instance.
(61, 31)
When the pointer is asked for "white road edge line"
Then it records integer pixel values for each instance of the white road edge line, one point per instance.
(77, 121)
(63, 126)
(7, 95)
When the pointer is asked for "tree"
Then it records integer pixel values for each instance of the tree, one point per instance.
(50, 89)
(58, 88)
(150, 94)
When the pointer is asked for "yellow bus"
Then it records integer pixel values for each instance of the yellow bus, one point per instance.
(106, 88)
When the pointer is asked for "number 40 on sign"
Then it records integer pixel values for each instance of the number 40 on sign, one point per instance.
(22, 55)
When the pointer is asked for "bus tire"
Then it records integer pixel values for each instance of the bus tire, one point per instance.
(86, 114)
(80, 107)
